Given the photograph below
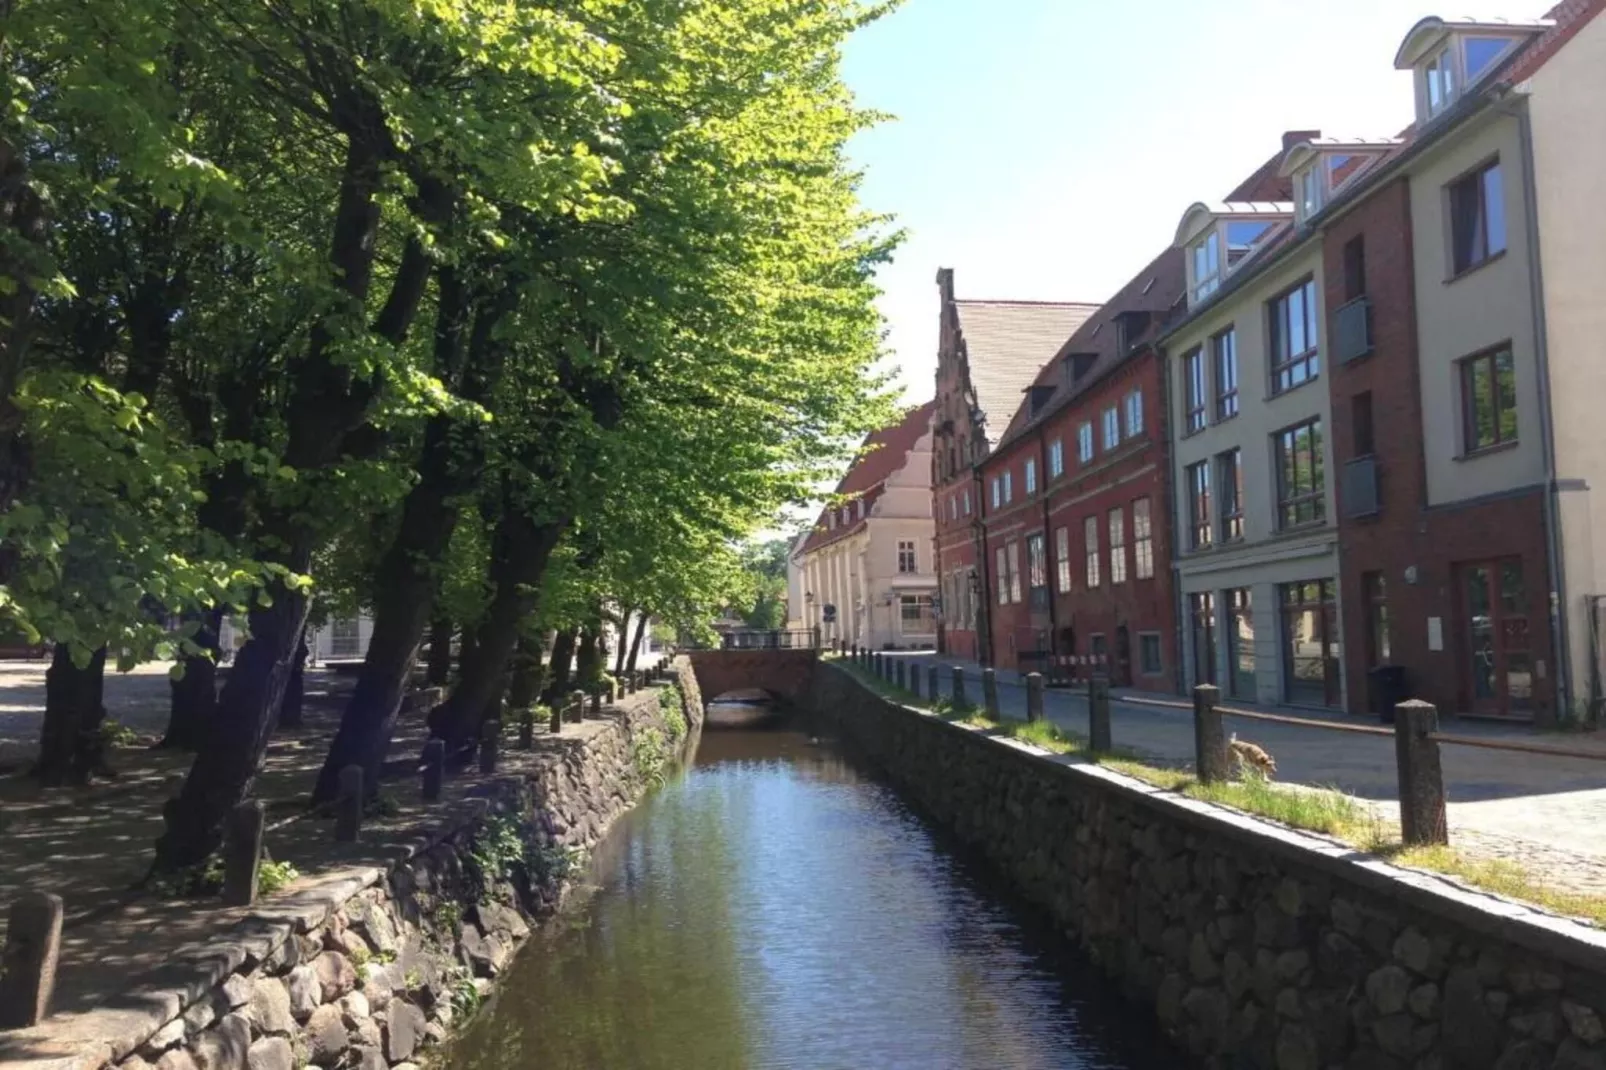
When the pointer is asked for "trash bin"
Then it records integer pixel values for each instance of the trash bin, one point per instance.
(1388, 690)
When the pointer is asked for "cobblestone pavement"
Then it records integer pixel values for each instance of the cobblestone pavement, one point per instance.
(1547, 813)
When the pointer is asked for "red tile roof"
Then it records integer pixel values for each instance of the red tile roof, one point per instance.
(884, 452)
(1570, 16)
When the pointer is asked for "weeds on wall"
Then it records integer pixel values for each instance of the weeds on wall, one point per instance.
(672, 707)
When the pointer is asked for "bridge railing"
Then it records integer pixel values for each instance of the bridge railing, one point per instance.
(778, 639)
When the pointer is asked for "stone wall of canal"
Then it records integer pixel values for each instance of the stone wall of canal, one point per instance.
(372, 973)
(1257, 946)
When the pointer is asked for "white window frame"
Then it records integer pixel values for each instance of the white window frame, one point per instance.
(1062, 558)
(966, 511)
(998, 492)
(1309, 191)
(910, 547)
(1056, 458)
(1111, 420)
(1031, 475)
(1084, 442)
(1134, 414)
(1444, 60)
(1203, 283)
(1009, 486)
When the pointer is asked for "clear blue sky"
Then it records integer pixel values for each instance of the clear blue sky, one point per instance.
(1046, 149)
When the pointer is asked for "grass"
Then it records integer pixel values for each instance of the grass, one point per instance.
(1322, 810)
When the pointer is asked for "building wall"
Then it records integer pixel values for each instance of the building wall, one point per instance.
(1569, 154)
(956, 444)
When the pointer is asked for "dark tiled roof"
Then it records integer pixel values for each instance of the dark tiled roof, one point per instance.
(1569, 16)
(1159, 289)
(1006, 342)
(1266, 184)
(883, 453)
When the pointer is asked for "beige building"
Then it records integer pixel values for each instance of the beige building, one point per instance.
(864, 572)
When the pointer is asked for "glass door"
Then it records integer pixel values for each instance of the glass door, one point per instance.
(1203, 612)
(1499, 648)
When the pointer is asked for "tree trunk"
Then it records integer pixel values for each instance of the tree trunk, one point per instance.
(440, 651)
(622, 648)
(588, 658)
(69, 744)
(557, 681)
(295, 687)
(635, 643)
(527, 671)
(467, 647)
(194, 696)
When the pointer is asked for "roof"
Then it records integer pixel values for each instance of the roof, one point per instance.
(1568, 18)
(1006, 343)
(1423, 37)
(1158, 290)
(1266, 184)
(884, 452)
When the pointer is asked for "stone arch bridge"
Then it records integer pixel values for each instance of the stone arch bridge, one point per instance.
(784, 673)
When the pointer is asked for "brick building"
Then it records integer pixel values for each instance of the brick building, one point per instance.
(988, 352)
(1075, 531)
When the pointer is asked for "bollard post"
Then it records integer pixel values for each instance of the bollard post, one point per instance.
(1422, 817)
(1034, 697)
(853, 651)
(434, 768)
(933, 683)
(1209, 742)
(1098, 713)
(28, 964)
(527, 728)
(876, 664)
(490, 739)
(958, 678)
(989, 692)
(914, 680)
(348, 807)
(898, 673)
(577, 706)
(242, 853)
(596, 704)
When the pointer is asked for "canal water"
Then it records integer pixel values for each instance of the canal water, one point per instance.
(776, 907)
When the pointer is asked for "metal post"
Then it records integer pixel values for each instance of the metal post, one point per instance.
(596, 703)
(242, 853)
(989, 692)
(348, 806)
(1034, 697)
(1422, 817)
(933, 684)
(1209, 742)
(914, 680)
(28, 964)
(1098, 713)
(577, 706)
(897, 667)
(434, 768)
(958, 677)
(490, 737)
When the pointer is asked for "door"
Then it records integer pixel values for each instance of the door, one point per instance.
(1499, 645)
(1122, 676)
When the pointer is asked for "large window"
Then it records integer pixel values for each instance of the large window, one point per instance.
(1134, 414)
(1240, 644)
(1084, 443)
(1001, 575)
(1056, 458)
(1090, 545)
(1224, 355)
(1230, 480)
(1294, 357)
(1036, 562)
(1488, 400)
(1009, 487)
(1014, 572)
(1112, 428)
(1062, 558)
(1311, 643)
(908, 559)
(998, 492)
(1142, 540)
(1117, 545)
(1198, 483)
(1206, 255)
(915, 616)
(1202, 625)
(1379, 645)
(1301, 496)
(1031, 475)
(1193, 386)
(1477, 218)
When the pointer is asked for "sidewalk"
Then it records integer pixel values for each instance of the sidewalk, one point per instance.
(1547, 813)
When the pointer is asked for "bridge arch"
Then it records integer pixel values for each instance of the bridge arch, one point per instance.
(783, 673)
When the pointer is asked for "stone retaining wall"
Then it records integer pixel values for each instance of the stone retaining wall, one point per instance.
(1257, 946)
(375, 974)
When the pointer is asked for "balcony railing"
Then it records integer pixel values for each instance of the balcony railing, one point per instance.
(1360, 487)
(1352, 331)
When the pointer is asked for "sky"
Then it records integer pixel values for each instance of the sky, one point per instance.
(1046, 149)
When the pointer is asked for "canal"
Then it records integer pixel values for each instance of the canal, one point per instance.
(774, 906)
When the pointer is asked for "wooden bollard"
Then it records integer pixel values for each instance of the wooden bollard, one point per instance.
(28, 964)
(348, 806)
(490, 740)
(989, 692)
(577, 706)
(434, 769)
(1098, 713)
(1209, 742)
(1034, 697)
(596, 703)
(1422, 816)
(958, 680)
(242, 853)
(933, 683)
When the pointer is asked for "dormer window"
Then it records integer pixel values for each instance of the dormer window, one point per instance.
(1320, 167)
(1450, 56)
(1438, 77)
(1479, 54)
(1307, 193)
(1218, 238)
(1206, 258)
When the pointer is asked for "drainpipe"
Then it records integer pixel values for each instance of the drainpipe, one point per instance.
(1516, 106)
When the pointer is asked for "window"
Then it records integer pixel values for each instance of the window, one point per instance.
(1488, 400)
(1477, 218)
(1206, 266)
(998, 492)
(1084, 443)
(1014, 572)
(967, 502)
(1009, 487)
(1056, 458)
(1481, 52)
(1149, 654)
(1224, 355)
(1230, 478)
(345, 638)
(1300, 497)
(1377, 619)
(908, 561)
(1440, 78)
(1142, 540)
(1198, 483)
(1240, 644)
(915, 616)
(1310, 642)
(1360, 423)
(1308, 192)
(1202, 617)
(1112, 428)
(1117, 545)
(1062, 558)
(1355, 268)
(1134, 414)
(1294, 358)
(1036, 562)
(1090, 544)
(1031, 475)
(1193, 385)
(953, 507)
(1001, 575)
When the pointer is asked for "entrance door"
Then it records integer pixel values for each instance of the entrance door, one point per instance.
(1500, 654)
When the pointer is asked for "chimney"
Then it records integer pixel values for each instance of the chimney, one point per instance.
(945, 284)
(1294, 137)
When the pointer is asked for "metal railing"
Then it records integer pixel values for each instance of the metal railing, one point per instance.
(795, 639)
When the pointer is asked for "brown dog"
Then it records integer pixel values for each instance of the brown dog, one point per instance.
(1247, 756)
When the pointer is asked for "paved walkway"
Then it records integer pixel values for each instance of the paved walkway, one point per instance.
(1548, 813)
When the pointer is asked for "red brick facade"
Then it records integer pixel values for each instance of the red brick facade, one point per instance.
(1425, 557)
(956, 436)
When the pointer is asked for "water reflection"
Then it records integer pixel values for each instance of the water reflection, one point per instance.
(772, 908)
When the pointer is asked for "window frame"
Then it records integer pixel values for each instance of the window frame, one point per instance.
(1031, 475)
(1194, 389)
(1009, 486)
(1116, 519)
(1200, 287)
(1036, 561)
(1056, 458)
(1464, 261)
(1014, 572)
(912, 548)
(1465, 370)
(1110, 421)
(1230, 521)
(1281, 367)
(1062, 559)
(1201, 536)
(1142, 539)
(1289, 504)
(1090, 550)
(1225, 371)
(1144, 639)
(1001, 573)
(1132, 413)
(1084, 442)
